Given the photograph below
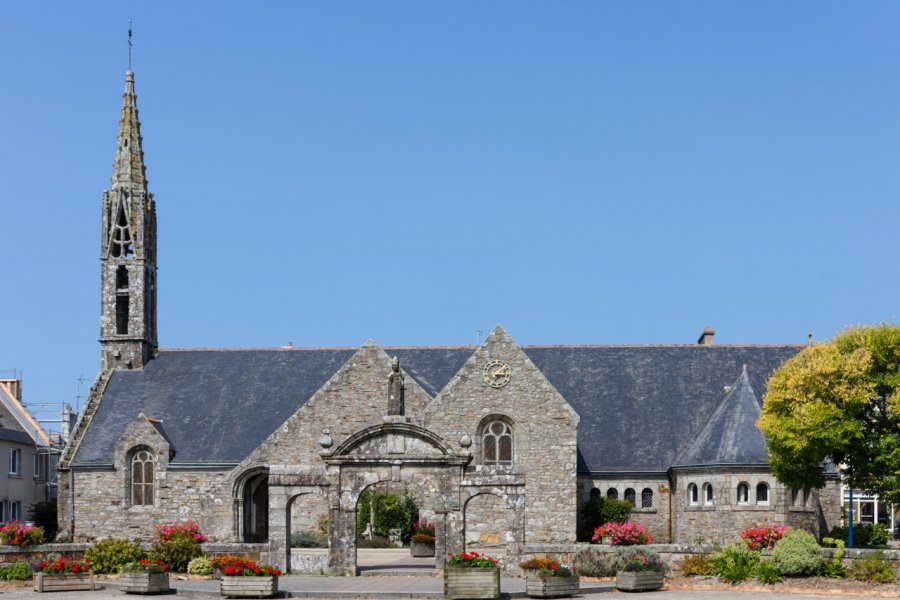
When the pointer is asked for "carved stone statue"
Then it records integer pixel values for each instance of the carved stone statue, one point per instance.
(395, 389)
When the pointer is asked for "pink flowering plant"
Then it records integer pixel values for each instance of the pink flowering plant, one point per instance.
(623, 534)
(177, 532)
(758, 538)
(13, 533)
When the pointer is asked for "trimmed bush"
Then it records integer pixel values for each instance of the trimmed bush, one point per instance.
(176, 553)
(797, 554)
(873, 568)
(106, 556)
(696, 565)
(199, 566)
(591, 562)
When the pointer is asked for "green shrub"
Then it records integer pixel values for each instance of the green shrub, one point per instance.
(19, 571)
(199, 566)
(874, 568)
(377, 541)
(767, 573)
(734, 563)
(176, 553)
(43, 514)
(391, 512)
(599, 510)
(833, 569)
(639, 558)
(591, 562)
(309, 539)
(863, 535)
(797, 554)
(695, 565)
(879, 535)
(106, 556)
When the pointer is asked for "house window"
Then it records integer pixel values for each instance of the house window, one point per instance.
(762, 493)
(708, 494)
(743, 493)
(15, 461)
(142, 478)
(647, 498)
(693, 496)
(612, 494)
(630, 496)
(15, 511)
(497, 443)
(37, 465)
(2, 511)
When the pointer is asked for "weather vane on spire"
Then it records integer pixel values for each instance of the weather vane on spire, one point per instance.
(129, 43)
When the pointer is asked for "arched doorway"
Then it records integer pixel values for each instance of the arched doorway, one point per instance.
(255, 503)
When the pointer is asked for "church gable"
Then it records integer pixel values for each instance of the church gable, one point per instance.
(143, 432)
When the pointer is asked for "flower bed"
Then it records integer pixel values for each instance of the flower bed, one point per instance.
(63, 574)
(623, 534)
(13, 533)
(757, 538)
(243, 578)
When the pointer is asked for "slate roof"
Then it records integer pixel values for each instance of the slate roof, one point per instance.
(640, 406)
(730, 436)
(14, 435)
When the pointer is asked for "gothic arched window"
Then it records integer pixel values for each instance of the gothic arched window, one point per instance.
(142, 471)
(497, 443)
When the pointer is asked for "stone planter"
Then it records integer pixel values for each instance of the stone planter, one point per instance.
(638, 581)
(472, 583)
(249, 587)
(62, 582)
(421, 548)
(144, 583)
(550, 587)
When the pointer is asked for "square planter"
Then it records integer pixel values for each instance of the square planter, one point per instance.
(421, 548)
(550, 587)
(64, 582)
(638, 581)
(472, 583)
(144, 583)
(249, 587)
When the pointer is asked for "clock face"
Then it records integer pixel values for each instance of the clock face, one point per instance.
(496, 374)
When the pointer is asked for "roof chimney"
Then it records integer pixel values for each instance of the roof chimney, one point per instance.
(13, 387)
(706, 338)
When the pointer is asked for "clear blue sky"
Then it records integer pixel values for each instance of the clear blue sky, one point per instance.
(411, 172)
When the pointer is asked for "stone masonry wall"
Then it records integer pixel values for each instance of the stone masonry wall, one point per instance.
(656, 518)
(544, 431)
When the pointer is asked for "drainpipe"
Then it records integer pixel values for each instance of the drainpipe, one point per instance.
(72, 503)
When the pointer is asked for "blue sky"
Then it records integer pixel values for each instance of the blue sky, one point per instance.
(412, 172)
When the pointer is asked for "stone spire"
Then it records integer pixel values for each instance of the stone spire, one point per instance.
(128, 166)
(128, 250)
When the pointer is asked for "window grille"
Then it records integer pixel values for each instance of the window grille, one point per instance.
(629, 496)
(647, 498)
(142, 478)
(497, 444)
(612, 494)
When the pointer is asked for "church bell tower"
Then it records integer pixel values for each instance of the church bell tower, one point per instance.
(128, 251)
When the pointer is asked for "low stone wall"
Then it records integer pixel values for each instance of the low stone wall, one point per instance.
(12, 554)
(673, 554)
(312, 561)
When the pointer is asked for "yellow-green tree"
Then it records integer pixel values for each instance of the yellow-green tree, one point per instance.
(838, 401)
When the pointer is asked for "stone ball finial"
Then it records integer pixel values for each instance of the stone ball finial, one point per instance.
(325, 441)
(465, 441)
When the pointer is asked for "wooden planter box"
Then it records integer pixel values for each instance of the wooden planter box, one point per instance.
(638, 581)
(144, 583)
(64, 582)
(472, 583)
(421, 548)
(550, 587)
(249, 587)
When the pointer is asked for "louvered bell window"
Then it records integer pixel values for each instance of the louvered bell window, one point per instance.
(497, 444)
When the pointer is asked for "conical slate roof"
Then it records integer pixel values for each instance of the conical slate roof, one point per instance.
(730, 436)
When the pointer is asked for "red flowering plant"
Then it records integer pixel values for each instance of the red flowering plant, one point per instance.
(471, 560)
(13, 533)
(247, 568)
(144, 566)
(547, 567)
(177, 532)
(758, 538)
(623, 534)
(61, 565)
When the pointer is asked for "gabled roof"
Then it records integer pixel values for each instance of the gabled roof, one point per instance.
(730, 436)
(640, 406)
(24, 420)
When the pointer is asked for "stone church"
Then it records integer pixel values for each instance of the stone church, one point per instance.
(499, 444)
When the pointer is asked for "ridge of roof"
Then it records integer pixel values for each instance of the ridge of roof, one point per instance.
(470, 347)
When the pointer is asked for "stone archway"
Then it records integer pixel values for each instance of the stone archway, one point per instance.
(251, 505)
(395, 451)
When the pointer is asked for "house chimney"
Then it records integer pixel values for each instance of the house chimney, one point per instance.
(13, 387)
(706, 338)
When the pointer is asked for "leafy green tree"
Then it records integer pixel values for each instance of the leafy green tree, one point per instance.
(838, 401)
